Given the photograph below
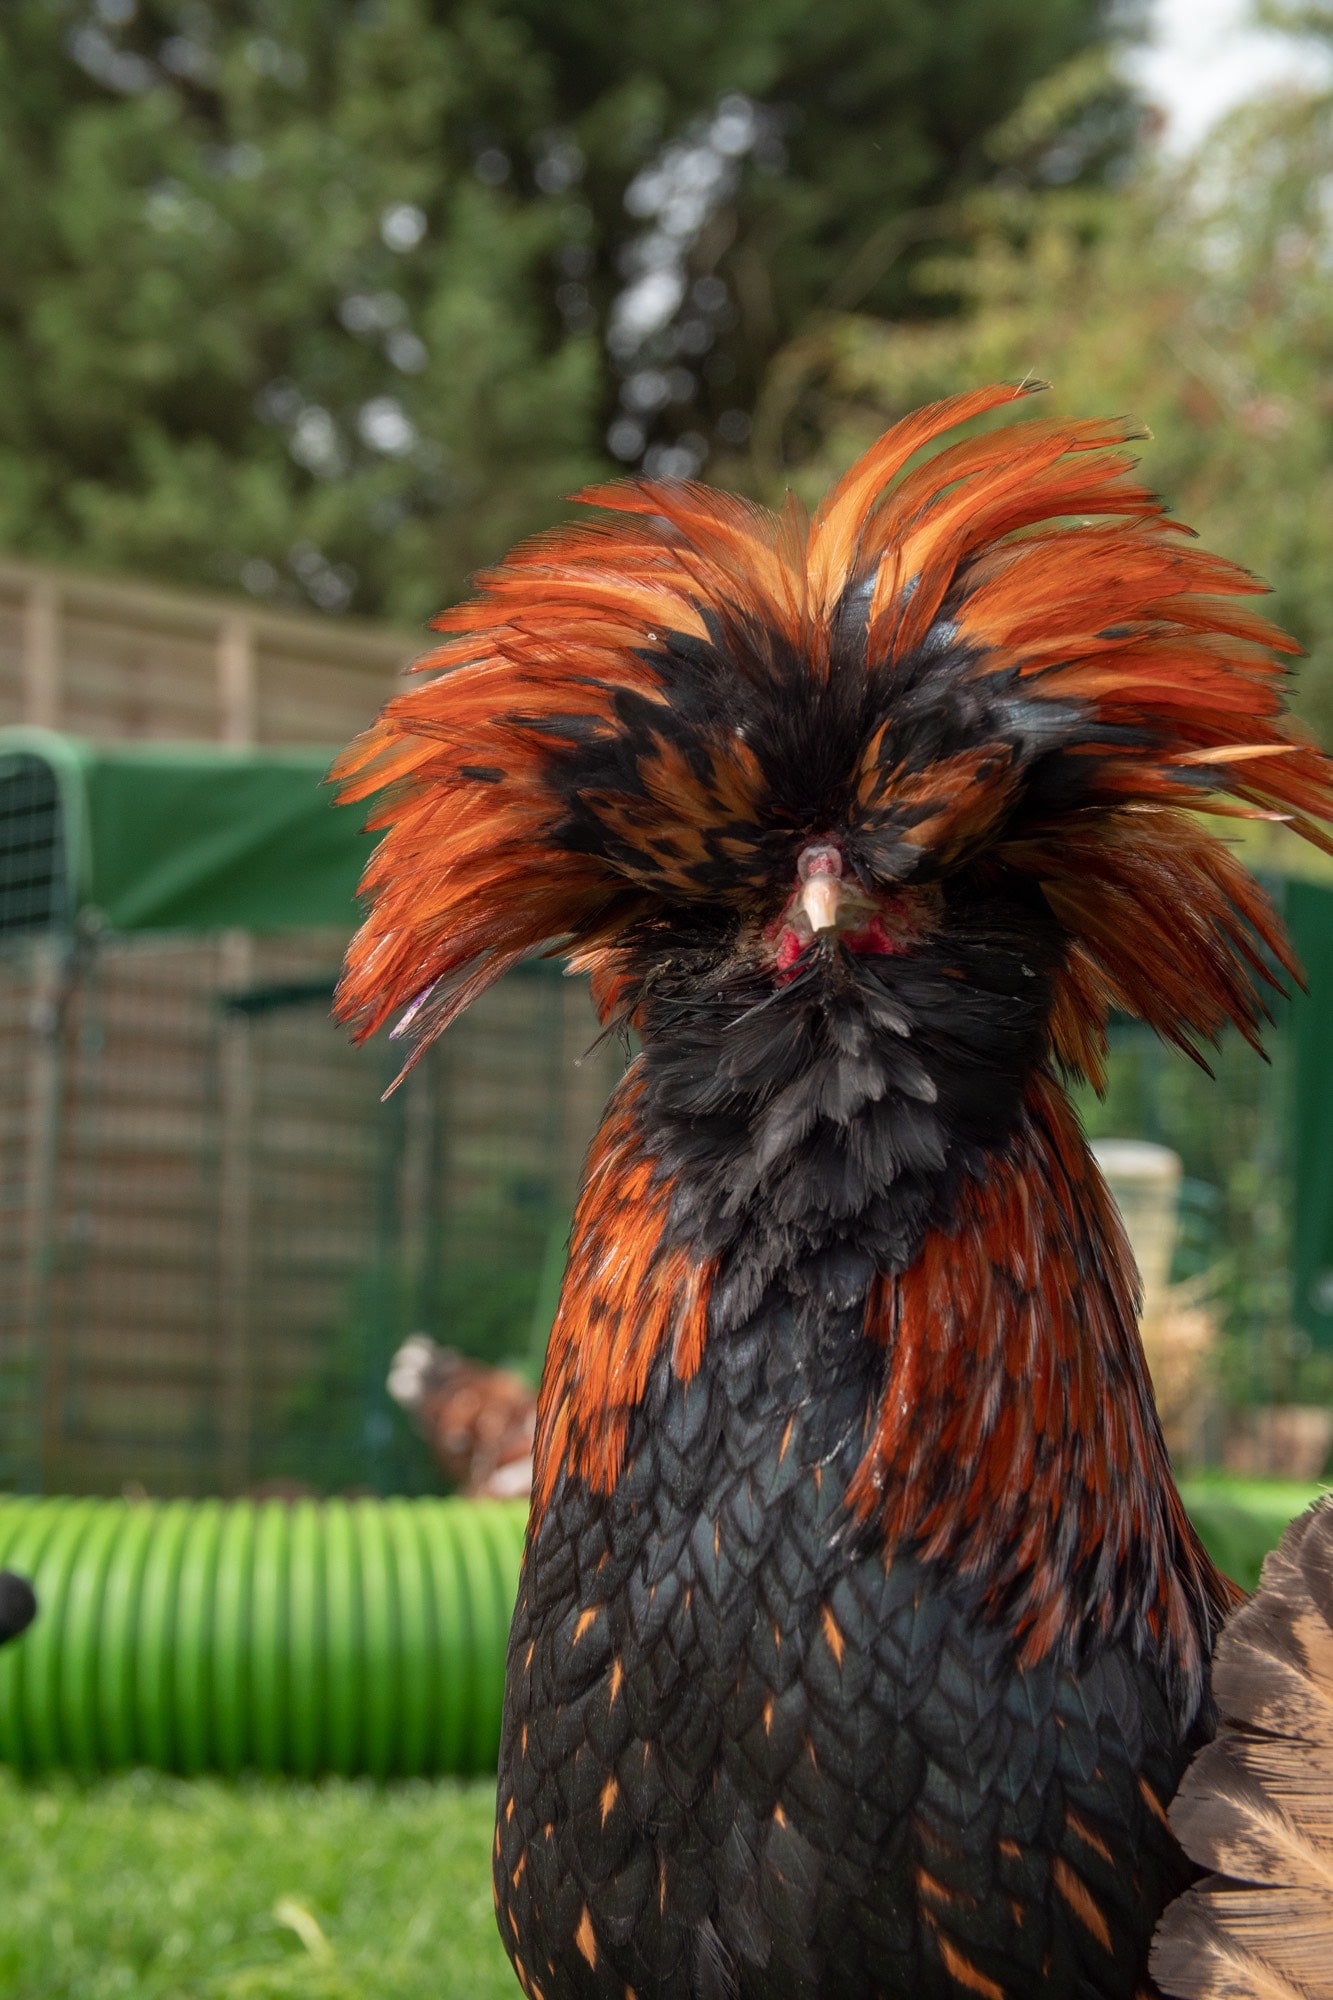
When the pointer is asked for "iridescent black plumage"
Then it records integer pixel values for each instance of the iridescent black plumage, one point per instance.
(862, 1637)
(745, 1755)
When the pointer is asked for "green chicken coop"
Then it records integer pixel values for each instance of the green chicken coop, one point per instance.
(214, 1229)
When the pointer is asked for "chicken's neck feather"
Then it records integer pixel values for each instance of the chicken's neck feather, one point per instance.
(935, 1200)
(1016, 1438)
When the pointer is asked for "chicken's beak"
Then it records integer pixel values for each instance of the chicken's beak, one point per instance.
(821, 893)
(819, 901)
(820, 898)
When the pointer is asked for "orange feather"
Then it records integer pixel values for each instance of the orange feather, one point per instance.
(1124, 639)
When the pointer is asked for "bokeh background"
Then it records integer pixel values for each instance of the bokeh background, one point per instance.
(308, 310)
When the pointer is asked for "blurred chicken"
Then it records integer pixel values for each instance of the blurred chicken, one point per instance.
(1257, 1804)
(478, 1421)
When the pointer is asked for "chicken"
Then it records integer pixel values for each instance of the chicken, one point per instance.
(1257, 1804)
(478, 1421)
(862, 1639)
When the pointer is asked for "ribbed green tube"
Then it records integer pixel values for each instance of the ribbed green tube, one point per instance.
(352, 1636)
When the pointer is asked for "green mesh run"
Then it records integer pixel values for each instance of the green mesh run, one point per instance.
(214, 1228)
(215, 1232)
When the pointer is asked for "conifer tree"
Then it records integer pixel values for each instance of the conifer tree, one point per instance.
(331, 299)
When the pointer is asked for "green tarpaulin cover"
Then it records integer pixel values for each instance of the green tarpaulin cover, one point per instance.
(197, 837)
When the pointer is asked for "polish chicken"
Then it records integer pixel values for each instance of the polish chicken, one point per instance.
(862, 1639)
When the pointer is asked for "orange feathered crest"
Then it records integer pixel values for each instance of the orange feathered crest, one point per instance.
(1003, 657)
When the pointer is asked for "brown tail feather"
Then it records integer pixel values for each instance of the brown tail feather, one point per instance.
(1257, 1804)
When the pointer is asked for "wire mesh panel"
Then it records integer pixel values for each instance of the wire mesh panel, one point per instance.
(128, 1243)
(33, 890)
(24, 1164)
(213, 1233)
(446, 1211)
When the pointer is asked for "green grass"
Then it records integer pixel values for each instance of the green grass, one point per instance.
(144, 1887)
(1240, 1520)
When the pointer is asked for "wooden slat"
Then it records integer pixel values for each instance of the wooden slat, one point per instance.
(42, 653)
(122, 682)
(372, 649)
(116, 659)
(13, 648)
(315, 699)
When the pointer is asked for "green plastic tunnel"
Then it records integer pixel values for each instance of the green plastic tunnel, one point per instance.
(361, 1637)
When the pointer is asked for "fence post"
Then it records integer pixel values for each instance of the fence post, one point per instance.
(237, 691)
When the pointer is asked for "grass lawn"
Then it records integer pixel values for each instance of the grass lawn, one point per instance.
(1240, 1520)
(146, 1887)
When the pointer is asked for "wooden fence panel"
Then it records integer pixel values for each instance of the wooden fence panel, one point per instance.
(212, 1231)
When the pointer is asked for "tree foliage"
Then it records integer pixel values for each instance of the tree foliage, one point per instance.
(333, 298)
(1197, 299)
